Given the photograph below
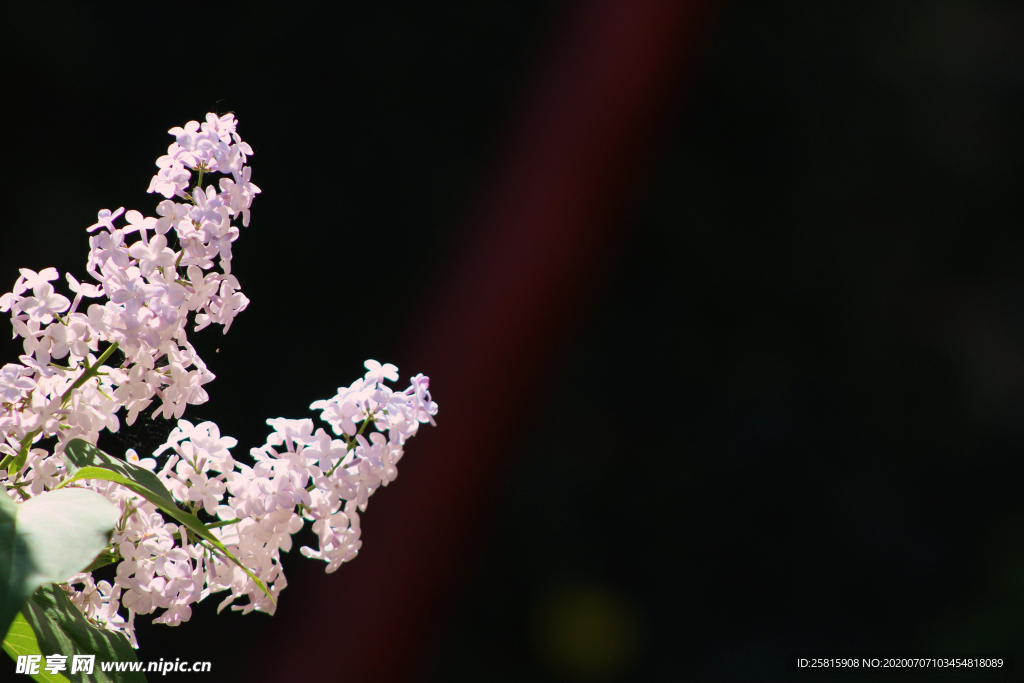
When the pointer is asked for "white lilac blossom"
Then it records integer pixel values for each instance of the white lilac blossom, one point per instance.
(157, 279)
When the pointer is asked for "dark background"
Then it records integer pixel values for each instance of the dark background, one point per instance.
(785, 412)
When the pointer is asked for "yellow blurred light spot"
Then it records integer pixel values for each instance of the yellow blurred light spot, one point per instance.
(588, 632)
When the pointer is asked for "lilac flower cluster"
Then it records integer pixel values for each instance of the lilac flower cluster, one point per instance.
(147, 294)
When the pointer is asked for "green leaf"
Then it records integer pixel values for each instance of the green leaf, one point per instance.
(106, 556)
(21, 640)
(62, 629)
(79, 454)
(48, 539)
(88, 462)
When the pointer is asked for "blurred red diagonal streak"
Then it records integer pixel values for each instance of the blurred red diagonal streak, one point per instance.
(578, 142)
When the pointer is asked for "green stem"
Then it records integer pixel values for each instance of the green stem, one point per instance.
(350, 446)
(24, 445)
(20, 488)
(90, 372)
(226, 522)
(216, 525)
